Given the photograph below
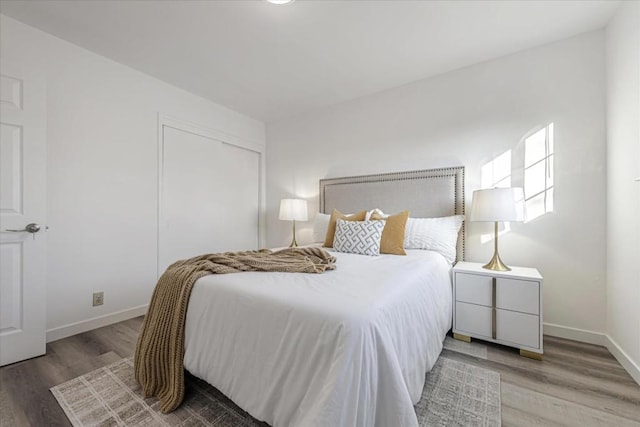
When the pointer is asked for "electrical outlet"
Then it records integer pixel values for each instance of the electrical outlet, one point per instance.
(98, 298)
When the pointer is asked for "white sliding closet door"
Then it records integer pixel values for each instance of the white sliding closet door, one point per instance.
(209, 196)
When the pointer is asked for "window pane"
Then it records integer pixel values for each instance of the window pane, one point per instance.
(535, 207)
(487, 175)
(534, 179)
(538, 172)
(549, 200)
(505, 183)
(502, 166)
(535, 147)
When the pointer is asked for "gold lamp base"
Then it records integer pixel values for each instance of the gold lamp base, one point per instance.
(294, 244)
(496, 263)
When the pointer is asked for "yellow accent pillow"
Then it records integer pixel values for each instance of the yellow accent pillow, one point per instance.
(392, 241)
(335, 216)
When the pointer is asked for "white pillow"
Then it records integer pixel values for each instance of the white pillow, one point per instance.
(320, 227)
(358, 237)
(376, 210)
(434, 234)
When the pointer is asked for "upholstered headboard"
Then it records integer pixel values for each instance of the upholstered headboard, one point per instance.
(426, 193)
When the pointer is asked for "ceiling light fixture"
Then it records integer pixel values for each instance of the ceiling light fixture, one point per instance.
(281, 1)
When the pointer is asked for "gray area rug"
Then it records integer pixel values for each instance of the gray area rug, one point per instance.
(472, 348)
(455, 394)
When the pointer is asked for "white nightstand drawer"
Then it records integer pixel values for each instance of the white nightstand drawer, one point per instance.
(473, 319)
(474, 289)
(518, 328)
(518, 295)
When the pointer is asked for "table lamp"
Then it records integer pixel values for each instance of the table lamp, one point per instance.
(293, 210)
(497, 205)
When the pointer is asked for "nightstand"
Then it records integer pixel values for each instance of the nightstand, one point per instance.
(504, 307)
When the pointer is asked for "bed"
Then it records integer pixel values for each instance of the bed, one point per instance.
(349, 347)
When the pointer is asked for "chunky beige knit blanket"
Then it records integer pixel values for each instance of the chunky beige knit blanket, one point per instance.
(160, 349)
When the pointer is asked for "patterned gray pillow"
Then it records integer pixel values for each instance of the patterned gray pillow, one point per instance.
(358, 237)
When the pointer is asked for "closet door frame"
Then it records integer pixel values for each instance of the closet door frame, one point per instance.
(166, 120)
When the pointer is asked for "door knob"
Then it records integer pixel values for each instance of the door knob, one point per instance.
(29, 228)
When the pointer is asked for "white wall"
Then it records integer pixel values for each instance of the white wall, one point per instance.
(102, 173)
(623, 193)
(467, 117)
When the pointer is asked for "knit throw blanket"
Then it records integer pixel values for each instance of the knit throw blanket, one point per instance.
(159, 354)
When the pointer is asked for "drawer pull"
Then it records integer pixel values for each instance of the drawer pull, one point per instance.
(493, 308)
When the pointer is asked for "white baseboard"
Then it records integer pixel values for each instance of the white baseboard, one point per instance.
(94, 323)
(575, 334)
(623, 358)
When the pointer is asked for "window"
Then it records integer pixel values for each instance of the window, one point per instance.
(538, 173)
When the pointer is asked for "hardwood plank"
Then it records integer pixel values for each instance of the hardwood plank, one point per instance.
(524, 408)
(28, 386)
(7, 417)
(577, 372)
(88, 366)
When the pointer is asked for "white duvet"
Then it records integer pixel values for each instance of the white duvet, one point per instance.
(348, 347)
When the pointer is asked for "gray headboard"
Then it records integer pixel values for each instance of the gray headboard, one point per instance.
(426, 193)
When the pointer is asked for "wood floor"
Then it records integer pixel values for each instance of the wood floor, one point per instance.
(575, 385)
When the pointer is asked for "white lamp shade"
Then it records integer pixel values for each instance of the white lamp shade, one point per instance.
(293, 209)
(498, 204)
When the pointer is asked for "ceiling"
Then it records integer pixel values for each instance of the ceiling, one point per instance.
(275, 61)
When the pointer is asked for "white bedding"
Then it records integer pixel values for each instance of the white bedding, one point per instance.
(349, 347)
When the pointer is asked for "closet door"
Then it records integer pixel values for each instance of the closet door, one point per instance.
(209, 196)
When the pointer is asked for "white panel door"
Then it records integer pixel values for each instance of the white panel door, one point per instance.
(22, 202)
(209, 198)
